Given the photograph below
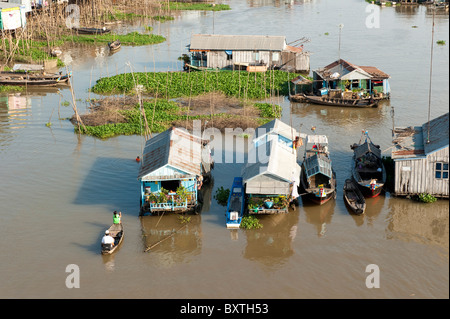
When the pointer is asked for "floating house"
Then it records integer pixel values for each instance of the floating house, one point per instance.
(271, 181)
(172, 170)
(340, 76)
(250, 52)
(12, 16)
(421, 158)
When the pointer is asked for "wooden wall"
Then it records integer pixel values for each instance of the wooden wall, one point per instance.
(417, 176)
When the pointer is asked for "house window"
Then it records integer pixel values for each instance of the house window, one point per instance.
(441, 171)
(229, 55)
(275, 56)
(255, 56)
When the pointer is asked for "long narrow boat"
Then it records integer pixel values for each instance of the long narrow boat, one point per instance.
(92, 30)
(235, 205)
(368, 169)
(318, 179)
(116, 231)
(323, 100)
(353, 197)
(16, 78)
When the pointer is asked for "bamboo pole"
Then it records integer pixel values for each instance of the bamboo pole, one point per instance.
(165, 238)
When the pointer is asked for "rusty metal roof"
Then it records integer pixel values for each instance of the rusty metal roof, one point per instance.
(174, 147)
(411, 142)
(237, 42)
(347, 67)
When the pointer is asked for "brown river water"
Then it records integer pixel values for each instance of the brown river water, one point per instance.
(58, 190)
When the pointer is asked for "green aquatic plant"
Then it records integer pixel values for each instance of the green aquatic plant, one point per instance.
(250, 222)
(239, 84)
(427, 198)
(221, 196)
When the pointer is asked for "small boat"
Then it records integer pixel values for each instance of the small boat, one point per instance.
(235, 205)
(114, 46)
(116, 231)
(318, 179)
(353, 197)
(20, 78)
(324, 100)
(368, 169)
(91, 30)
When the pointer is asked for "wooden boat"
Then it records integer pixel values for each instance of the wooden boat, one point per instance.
(114, 46)
(20, 78)
(92, 30)
(318, 179)
(353, 197)
(235, 205)
(368, 169)
(324, 100)
(116, 231)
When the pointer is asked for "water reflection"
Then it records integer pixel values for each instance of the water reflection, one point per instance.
(319, 215)
(414, 221)
(272, 244)
(374, 206)
(169, 248)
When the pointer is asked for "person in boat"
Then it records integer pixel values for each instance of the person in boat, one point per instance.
(117, 217)
(138, 159)
(108, 239)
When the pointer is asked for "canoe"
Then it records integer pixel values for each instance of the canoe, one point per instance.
(235, 205)
(353, 197)
(91, 30)
(114, 46)
(116, 231)
(323, 100)
(16, 78)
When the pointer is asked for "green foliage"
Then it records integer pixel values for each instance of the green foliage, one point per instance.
(269, 110)
(441, 42)
(133, 38)
(427, 198)
(173, 5)
(250, 222)
(222, 195)
(11, 88)
(183, 84)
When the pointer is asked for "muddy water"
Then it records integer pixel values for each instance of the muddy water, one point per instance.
(59, 190)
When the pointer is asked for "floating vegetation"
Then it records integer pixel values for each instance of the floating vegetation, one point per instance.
(250, 222)
(440, 42)
(133, 38)
(173, 5)
(221, 195)
(427, 198)
(239, 84)
(11, 88)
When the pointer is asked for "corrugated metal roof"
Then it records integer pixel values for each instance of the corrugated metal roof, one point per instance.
(438, 134)
(345, 70)
(272, 176)
(237, 42)
(174, 147)
(316, 164)
(367, 147)
(411, 142)
(278, 127)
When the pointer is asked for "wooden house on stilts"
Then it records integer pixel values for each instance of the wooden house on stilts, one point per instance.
(173, 168)
(421, 158)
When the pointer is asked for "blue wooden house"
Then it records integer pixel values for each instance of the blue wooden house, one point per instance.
(172, 170)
